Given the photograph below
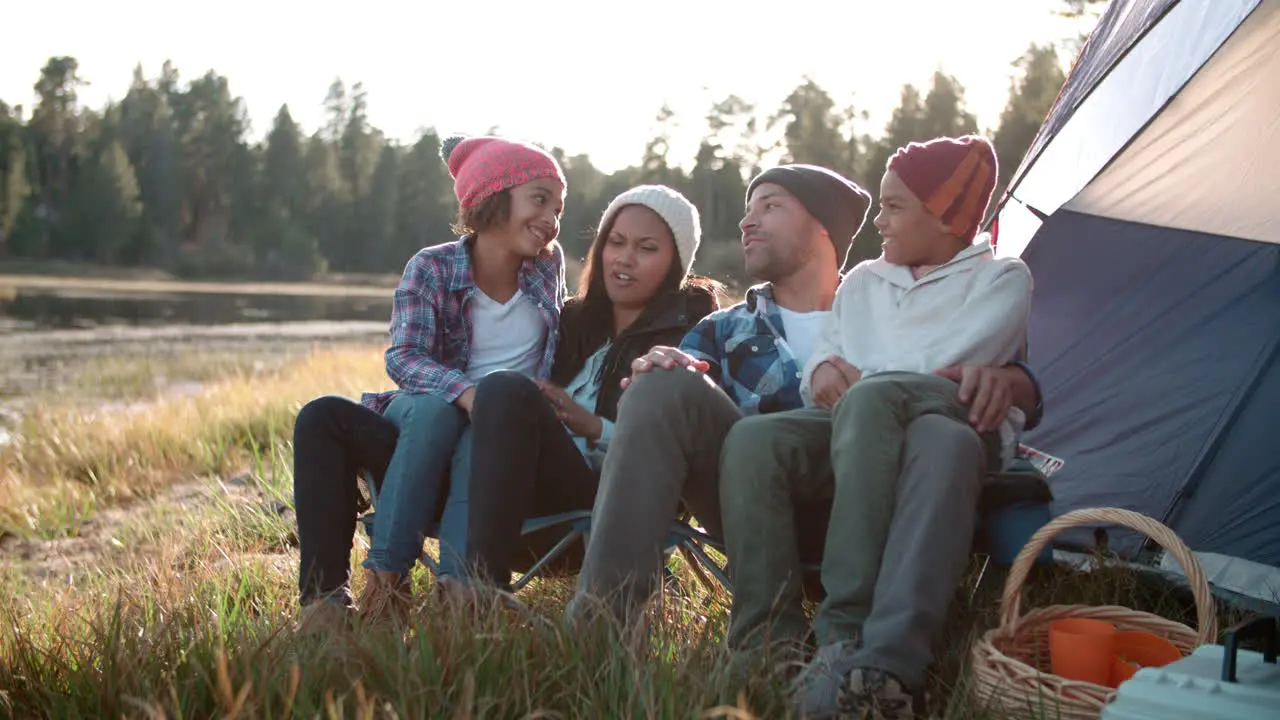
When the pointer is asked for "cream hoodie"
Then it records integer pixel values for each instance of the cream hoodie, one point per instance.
(972, 310)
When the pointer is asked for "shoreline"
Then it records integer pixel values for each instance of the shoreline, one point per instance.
(122, 286)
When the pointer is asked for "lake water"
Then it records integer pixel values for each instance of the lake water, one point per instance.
(37, 309)
(51, 336)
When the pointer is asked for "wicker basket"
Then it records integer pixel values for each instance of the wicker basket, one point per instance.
(1011, 662)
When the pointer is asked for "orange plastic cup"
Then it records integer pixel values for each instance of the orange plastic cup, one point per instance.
(1082, 649)
(1135, 650)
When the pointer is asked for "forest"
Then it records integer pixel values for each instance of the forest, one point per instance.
(168, 178)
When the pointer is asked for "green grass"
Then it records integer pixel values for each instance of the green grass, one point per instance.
(126, 377)
(154, 576)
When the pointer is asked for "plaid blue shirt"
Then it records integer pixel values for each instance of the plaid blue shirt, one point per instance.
(749, 357)
(431, 328)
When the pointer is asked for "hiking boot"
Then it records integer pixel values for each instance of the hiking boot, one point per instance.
(877, 695)
(817, 688)
(323, 618)
(455, 593)
(385, 599)
(781, 660)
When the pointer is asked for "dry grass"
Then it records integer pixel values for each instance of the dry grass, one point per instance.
(168, 590)
(68, 460)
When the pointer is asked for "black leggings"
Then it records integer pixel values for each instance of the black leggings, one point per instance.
(333, 438)
(524, 464)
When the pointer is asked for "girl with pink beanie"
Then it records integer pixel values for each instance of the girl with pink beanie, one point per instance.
(485, 302)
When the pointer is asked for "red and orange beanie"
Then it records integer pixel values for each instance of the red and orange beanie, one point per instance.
(484, 166)
(953, 177)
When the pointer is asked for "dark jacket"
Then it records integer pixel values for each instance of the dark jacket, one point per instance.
(664, 322)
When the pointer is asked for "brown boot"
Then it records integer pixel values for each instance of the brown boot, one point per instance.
(385, 599)
(473, 597)
(323, 619)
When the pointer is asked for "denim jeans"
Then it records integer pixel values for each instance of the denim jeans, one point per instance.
(430, 434)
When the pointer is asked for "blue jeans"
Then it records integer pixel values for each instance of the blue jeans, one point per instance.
(433, 450)
(454, 519)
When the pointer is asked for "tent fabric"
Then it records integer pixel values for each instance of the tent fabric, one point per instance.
(1119, 28)
(1234, 503)
(1147, 211)
(1201, 164)
(1249, 585)
(1126, 99)
(1156, 352)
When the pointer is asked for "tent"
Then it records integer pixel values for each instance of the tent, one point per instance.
(1148, 209)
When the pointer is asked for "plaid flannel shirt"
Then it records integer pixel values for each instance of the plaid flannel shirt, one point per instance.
(746, 346)
(431, 328)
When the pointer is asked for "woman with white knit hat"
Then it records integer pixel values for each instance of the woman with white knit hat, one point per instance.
(537, 446)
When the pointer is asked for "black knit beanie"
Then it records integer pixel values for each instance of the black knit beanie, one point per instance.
(836, 202)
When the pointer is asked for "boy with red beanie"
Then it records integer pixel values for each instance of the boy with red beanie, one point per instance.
(935, 299)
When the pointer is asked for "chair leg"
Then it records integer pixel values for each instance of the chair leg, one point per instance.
(672, 581)
(695, 564)
(555, 552)
(707, 564)
(982, 573)
(432, 566)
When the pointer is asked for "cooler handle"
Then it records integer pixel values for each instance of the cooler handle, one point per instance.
(1264, 627)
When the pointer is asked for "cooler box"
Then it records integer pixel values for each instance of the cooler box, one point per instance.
(1216, 682)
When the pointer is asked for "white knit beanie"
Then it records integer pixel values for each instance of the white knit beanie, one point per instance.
(676, 210)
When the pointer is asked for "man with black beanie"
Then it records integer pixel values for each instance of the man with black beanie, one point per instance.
(745, 360)
(838, 204)
(738, 361)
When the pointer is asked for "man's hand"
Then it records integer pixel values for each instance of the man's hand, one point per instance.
(987, 391)
(831, 380)
(665, 358)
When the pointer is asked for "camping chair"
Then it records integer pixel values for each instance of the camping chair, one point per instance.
(575, 525)
(1013, 505)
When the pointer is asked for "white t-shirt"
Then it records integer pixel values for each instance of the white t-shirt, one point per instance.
(802, 330)
(505, 336)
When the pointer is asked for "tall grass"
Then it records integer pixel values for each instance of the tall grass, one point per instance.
(216, 645)
(186, 607)
(67, 461)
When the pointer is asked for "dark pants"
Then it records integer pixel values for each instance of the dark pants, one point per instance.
(333, 438)
(524, 464)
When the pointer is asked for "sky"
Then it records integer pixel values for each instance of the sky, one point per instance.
(586, 75)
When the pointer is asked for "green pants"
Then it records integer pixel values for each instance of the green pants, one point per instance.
(857, 456)
(665, 451)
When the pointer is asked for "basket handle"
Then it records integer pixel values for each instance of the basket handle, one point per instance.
(1011, 599)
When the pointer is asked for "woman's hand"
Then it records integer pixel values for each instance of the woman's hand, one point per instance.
(578, 419)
